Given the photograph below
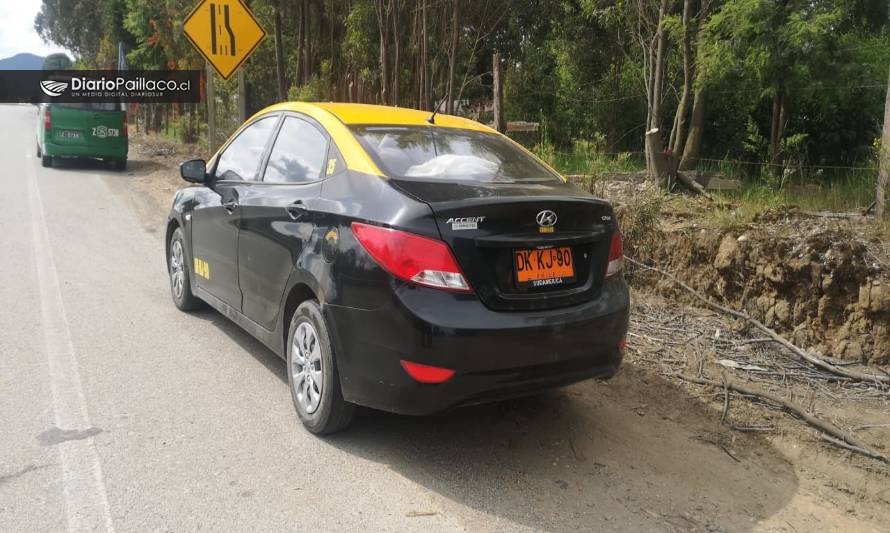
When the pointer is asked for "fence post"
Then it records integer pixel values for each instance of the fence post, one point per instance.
(884, 157)
(498, 107)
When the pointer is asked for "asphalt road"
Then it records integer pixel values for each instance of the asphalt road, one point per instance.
(121, 413)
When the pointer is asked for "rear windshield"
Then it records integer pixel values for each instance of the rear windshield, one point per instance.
(427, 153)
(91, 106)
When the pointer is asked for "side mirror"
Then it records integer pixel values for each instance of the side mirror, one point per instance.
(194, 171)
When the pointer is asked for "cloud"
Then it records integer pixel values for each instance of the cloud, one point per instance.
(17, 34)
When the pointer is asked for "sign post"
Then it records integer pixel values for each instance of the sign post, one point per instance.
(211, 107)
(226, 33)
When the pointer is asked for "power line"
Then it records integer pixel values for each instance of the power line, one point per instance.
(591, 100)
(780, 165)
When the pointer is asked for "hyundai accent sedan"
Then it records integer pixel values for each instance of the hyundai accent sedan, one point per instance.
(399, 261)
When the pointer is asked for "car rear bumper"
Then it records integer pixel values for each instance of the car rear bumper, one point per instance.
(111, 151)
(495, 355)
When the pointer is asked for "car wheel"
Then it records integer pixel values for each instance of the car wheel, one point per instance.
(312, 373)
(178, 267)
(120, 164)
(46, 160)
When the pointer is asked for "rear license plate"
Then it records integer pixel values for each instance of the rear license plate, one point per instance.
(69, 134)
(544, 268)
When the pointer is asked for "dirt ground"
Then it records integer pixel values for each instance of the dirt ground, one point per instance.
(647, 447)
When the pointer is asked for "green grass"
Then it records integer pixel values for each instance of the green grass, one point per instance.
(583, 159)
(849, 192)
(592, 164)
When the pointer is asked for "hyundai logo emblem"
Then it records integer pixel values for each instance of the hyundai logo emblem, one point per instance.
(546, 218)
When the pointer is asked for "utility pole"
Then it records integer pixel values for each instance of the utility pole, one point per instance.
(884, 157)
(211, 109)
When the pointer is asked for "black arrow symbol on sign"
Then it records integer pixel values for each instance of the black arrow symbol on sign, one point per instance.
(214, 29)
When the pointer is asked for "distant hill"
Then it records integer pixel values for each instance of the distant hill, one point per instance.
(22, 62)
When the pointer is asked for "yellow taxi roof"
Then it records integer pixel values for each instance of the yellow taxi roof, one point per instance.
(391, 116)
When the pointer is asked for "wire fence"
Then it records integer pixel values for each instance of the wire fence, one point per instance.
(596, 158)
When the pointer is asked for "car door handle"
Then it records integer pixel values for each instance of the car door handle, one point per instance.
(296, 209)
(230, 205)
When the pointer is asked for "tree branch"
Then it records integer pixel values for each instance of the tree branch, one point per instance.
(802, 354)
(831, 433)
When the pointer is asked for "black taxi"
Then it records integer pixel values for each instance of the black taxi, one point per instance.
(397, 260)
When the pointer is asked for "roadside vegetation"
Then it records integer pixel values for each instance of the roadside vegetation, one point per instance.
(775, 92)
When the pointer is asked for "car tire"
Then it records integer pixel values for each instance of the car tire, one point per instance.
(310, 363)
(179, 273)
(46, 160)
(119, 164)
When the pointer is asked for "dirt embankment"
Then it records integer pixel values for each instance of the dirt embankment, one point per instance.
(821, 281)
(821, 285)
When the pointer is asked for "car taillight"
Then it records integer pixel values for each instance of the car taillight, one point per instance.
(125, 130)
(425, 373)
(616, 255)
(48, 120)
(413, 258)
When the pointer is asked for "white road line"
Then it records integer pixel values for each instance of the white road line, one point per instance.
(83, 484)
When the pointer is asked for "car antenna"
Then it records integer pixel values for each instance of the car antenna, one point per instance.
(432, 119)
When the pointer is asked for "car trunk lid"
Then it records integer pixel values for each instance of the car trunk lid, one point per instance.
(522, 246)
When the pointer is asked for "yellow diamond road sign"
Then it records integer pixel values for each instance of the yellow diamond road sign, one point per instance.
(225, 32)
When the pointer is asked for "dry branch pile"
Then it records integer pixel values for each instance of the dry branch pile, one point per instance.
(696, 348)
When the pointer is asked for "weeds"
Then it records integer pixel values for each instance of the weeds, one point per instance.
(640, 223)
(847, 193)
(586, 157)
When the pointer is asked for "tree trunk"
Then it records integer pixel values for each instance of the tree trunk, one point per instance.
(211, 108)
(382, 23)
(660, 170)
(279, 57)
(301, 16)
(656, 85)
(692, 147)
(396, 59)
(424, 60)
(332, 52)
(884, 173)
(678, 131)
(777, 126)
(659, 68)
(498, 97)
(308, 63)
(452, 56)
(242, 95)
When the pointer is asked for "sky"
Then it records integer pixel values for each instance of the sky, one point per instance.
(17, 34)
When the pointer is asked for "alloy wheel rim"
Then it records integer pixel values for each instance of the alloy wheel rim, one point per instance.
(307, 369)
(177, 274)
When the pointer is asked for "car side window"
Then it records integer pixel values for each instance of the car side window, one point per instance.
(335, 163)
(299, 154)
(242, 157)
